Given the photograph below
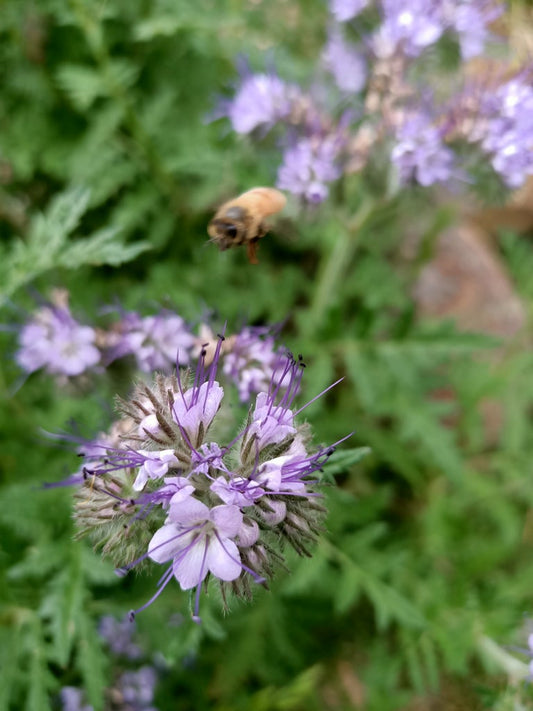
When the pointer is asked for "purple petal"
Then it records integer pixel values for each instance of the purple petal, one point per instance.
(227, 519)
(192, 568)
(189, 512)
(224, 560)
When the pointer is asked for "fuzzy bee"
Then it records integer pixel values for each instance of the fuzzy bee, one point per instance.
(242, 220)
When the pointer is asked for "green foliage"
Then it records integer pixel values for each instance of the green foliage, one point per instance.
(47, 245)
(109, 173)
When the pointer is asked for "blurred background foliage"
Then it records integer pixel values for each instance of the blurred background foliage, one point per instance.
(110, 168)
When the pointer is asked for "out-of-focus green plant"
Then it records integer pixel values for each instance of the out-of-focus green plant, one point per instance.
(423, 577)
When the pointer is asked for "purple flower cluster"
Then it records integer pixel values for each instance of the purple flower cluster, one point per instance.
(251, 360)
(154, 341)
(509, 131)
(375, 103)
(132, 690)
(260, 101)
(171, 492)
(410, 26)
(420, 154)
(54, 341)
(308, 166)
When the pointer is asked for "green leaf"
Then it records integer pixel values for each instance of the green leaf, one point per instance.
(62, 606)
(92, 662)
(101, 248)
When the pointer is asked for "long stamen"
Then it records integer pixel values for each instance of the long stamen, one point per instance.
(167, 577)
(317, 396)
(196, 617)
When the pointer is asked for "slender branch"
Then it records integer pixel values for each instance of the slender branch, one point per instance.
(335, 268)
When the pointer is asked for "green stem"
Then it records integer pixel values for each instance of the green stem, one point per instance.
(335, 267)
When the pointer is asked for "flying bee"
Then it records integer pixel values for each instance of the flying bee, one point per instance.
(242, 220)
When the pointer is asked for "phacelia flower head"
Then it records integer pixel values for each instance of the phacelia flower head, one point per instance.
(154, 341)
(346, 64)
(344, 10)
(252, 360)
(309, 165)
(260, 101)
(54, 341)
(118, 636)
(509, 131)
(182, 488)
(408, 26)
(420, 154)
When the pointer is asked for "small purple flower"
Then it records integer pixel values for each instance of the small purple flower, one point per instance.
(137, 689)
(55, 341)
(209, 455)
(408, 26)
(344, 10)
(419, 153)
(72, 699)
(308, 166)
(346, 64)
(194, 409)
(470, 19)
(198, 540)
(118, 636)
(509, 131)
(251, 360)
(154, 341)
(155, 466)
(261, 100)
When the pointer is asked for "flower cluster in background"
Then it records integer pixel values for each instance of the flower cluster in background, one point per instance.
(174, 482)
(380, 55)
(133, 689)
(54, 341)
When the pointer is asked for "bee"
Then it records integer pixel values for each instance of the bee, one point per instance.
(241, 221)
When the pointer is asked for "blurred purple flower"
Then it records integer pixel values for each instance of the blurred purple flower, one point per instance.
(420, 154)
(346, 64)
(72, 699)
(154, 341)
(55, 341)
(137, 689)
(470, 19)
(261, 100)
(509, 131)
(118, 636)
(308, 166)
(408, 26)
(251, 360)
(344, 10)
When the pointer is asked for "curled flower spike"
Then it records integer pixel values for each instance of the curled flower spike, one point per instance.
(164, 488)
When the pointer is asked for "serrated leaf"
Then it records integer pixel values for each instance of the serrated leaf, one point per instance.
(390, 605)
(92, 662)
(101, 248)
(61, 606)
(39, 678)
(347, 591)
(82, 84)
